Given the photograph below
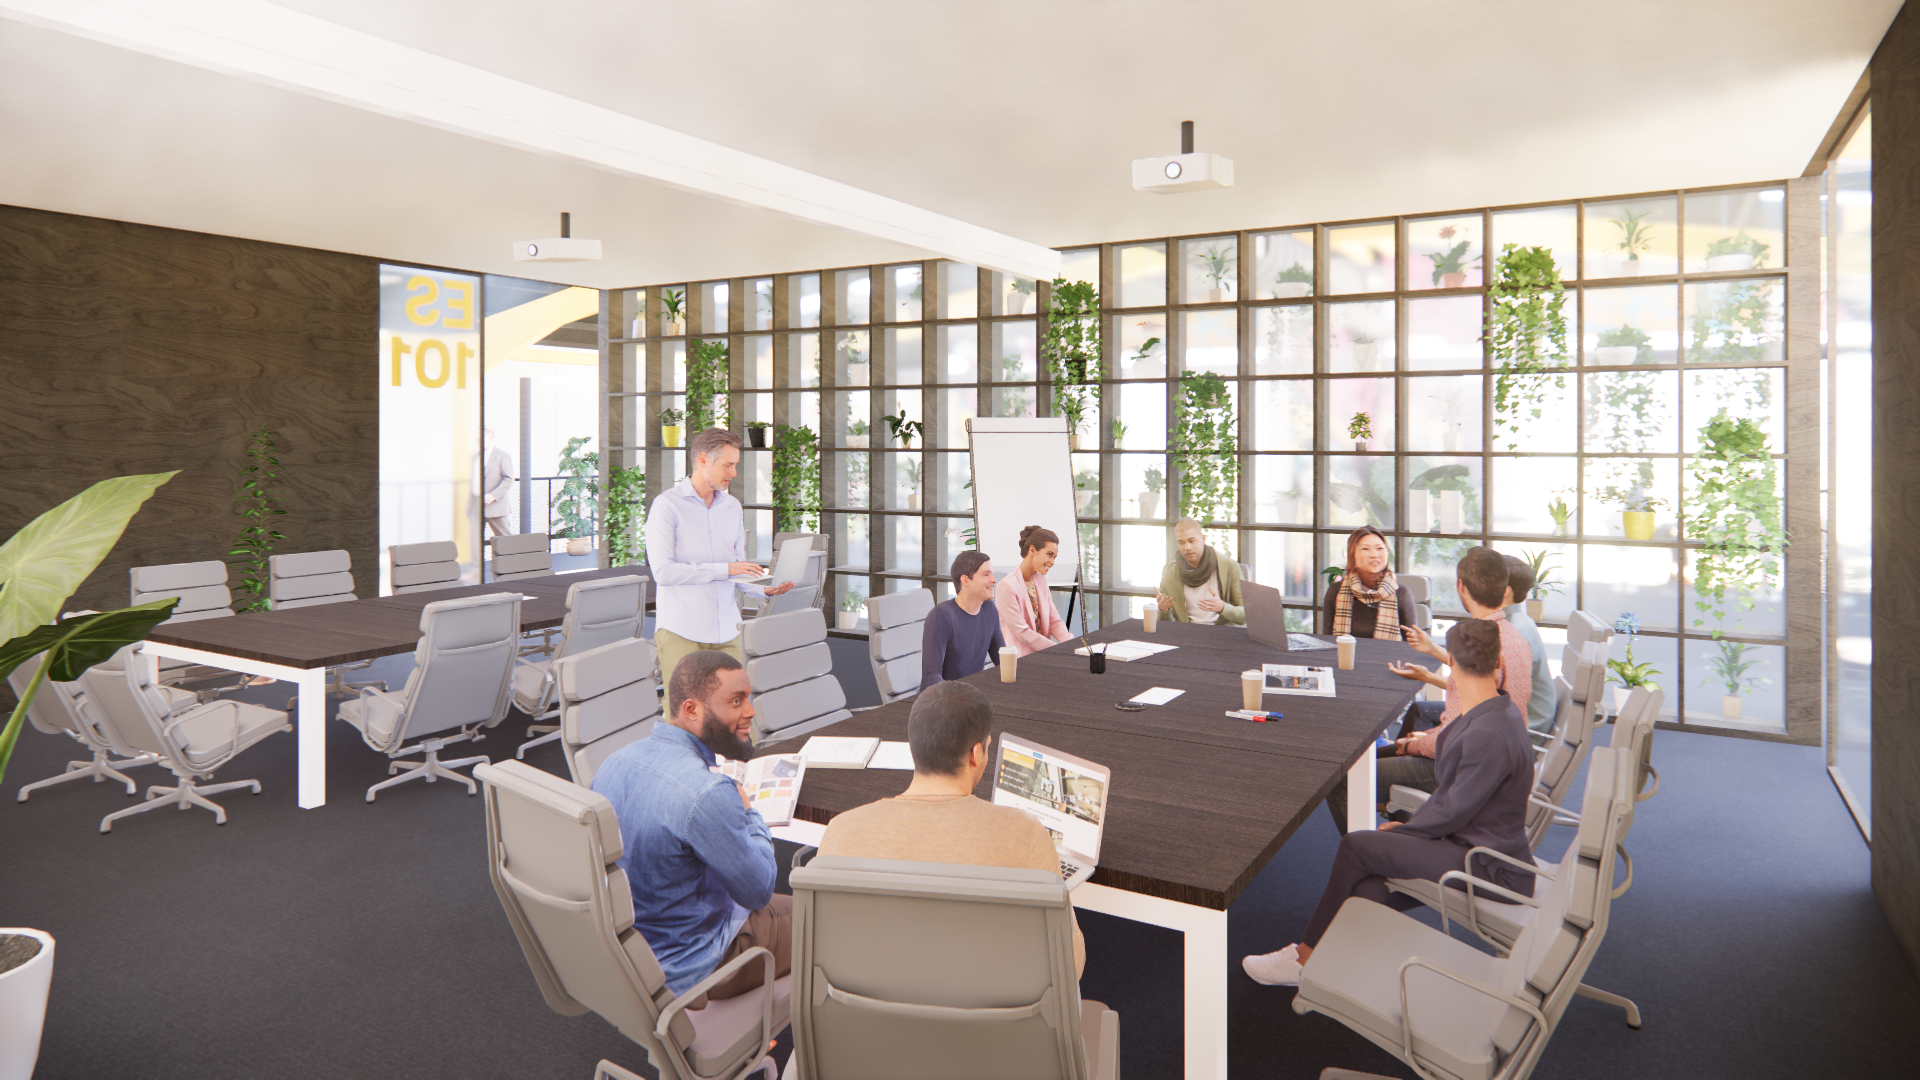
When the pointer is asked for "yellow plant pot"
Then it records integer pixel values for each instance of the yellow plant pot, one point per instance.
(1638, 523)
(670, 434)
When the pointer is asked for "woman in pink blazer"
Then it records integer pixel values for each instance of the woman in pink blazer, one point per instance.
(1028, 620)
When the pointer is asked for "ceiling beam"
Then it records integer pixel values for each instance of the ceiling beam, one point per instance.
(268, 44)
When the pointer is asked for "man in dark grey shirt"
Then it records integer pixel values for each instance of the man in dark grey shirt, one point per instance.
(1483, 772)
(962, 634)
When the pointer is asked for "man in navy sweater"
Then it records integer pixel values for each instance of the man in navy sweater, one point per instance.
(962, 634)
(1483, 773)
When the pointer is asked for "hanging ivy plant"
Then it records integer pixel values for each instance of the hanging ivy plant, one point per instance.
(706, 386)
(1526, 335)
(796, 480)
(1071, 348)
(1205, 445)
(627, 517)
(1734, 512)
(254, 503)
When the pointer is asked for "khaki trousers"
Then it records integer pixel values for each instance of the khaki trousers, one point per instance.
(770, 928)
(672, 648)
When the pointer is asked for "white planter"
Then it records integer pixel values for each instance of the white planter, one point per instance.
(1082, 500)
(1016, 303)
(1366, 354)
(857, 374)
(1535, 609)
(580, 545)
(1620, 695)
(23, 1007)
(913, 501)
(639, 326)
(1615, 355)
(849, 620)
(1730, 706)
(1630, 267)
(1739, 260)
(1450, 512)
(673, 327)
(1287, 290)
(857, 442)
(1149, 504)
(1419, 510)
(1215, 296)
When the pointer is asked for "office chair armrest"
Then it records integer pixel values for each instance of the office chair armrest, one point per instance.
(1402, 797)
(607, 1070)
(698, 990)
(1530, 867)
(1406, 1017)
(1561, 815)
(1628, 883)
(1473, 911)
(802, 856)
(1652, 791)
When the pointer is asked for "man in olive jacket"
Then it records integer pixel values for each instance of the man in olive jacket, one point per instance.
(1199, 586)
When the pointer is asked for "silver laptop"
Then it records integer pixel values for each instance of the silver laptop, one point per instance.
(1067, 794)
(1266, 615)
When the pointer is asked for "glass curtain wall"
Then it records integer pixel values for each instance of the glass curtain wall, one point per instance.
(1849, 198)
(1352, 363)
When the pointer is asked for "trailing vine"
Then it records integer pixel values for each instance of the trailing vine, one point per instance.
(1205, 445)
(254, 503)
(627, 517)
(1071, 348)
(1734, 511)
(796, 480)
(706, 386)
(1526, 335)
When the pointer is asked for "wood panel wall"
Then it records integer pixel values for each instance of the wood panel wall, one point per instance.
(1895, 98)
(133, 349)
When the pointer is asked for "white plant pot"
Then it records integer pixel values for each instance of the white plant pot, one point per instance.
(1730, 706)
(1620, 696)
(1450, 512)
(1630, 267)
(1073, 442)
(23, 1007)
(1366, 354)
(913, 501)
(579, 545)
(1615, 355)
(1215, 296)
(674, 327)
(1082, 500)
(1016, 303)
(849, 620)
(1739, 260)
(639, 326)
(857, 442)
(857, 374)
(1419, 510)
(1287, 290)
(1149, 504)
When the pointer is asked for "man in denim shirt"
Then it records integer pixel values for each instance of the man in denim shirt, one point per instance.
(700, 860)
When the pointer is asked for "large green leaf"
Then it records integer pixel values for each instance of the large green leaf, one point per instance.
(45, 562)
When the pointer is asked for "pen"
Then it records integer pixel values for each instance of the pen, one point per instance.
(1256, 716)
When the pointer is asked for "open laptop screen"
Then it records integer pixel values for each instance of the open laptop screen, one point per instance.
(1068, 795)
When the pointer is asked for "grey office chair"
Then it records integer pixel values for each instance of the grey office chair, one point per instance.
(608, 698)
(308, 579)
(791, 670)
(897, 622)
(202, 590)
(421, 567)
(1246, 571)
(59, 708)
(1420, 587)
(1443, 1007)
(599, 612)
(460, 682)
(191, 740)
(522, 555)
(808, 591)
(908, 970)
(553, 852)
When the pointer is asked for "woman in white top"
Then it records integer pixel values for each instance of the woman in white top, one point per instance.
(1028, 620)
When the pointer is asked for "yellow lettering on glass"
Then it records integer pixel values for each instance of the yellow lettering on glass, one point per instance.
(460, 300)
(418, 307)
(420, 363)
(464, 352)
(400, 349)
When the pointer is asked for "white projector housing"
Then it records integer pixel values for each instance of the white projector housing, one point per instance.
(556, 249)
(1182, 172)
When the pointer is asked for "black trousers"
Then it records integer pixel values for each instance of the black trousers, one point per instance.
(1367, 859)
(1408, 771)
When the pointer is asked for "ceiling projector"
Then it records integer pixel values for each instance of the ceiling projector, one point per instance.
(1186, 171)
(562, 248)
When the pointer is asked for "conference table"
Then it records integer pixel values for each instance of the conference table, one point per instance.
(1199, 801)
(298, 645)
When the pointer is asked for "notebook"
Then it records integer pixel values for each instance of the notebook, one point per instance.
(1067, 794)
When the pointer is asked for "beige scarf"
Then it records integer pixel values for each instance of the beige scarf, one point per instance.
(1383, 596)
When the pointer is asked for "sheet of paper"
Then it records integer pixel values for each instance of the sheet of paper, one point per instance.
(1159, 695)
(1144, 648)
(892, 755)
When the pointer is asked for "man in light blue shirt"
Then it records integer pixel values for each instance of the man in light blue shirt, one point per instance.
(698, 858)
(696, 548)
(1539, 704)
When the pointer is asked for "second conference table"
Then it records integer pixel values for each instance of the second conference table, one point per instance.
(298, 645)
(1199, 802)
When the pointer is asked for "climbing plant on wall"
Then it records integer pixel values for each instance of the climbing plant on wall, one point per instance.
(706, 386)
(1733, 509)
(1526, 334)
(254, 502)
(796, 480)
(1071, 349)
(1205, 445)
(627, 516)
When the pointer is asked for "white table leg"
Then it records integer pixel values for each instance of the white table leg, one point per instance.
(1361, 780)
(1205, 967)
(310, 717)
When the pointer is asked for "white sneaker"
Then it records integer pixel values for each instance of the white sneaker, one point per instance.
(1275, 968)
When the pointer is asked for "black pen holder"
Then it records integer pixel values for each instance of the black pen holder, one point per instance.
(1097, 662)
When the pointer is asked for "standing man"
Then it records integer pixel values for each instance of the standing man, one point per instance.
(962, 634)
(1199, 586)
(497, 504)
(696, 547)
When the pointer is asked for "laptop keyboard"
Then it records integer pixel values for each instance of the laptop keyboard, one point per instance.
(1067, 870)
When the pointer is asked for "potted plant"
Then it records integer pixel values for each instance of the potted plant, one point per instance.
(1560, 512)
(1073, 409)
(575, 503)
(910, 473)
(856, 361)
(902, 428)
(1086, 485)
(26, 977)
(670, 421)
(1360, 430)
(1119, 432)
(1220, 263)
(1544, 584)
(1625, 672)
(850, 606)
(1736, 252)
(1294, 281)
(673, 312)
(1636, 509)
(857, 435)
(1021, 291)
(1450, 266)
(1734, 512)
(1366, 350)
(1730, 670)
(1623, 346)
(1333, 574)
(757, 434)
(1635, 238)
(1150, 499)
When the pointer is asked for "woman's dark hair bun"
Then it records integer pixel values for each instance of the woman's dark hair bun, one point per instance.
(1034, 537)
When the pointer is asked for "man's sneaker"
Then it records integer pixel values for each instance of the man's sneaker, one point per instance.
(1275, 968)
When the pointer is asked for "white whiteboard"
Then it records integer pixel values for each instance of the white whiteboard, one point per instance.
(1023, 475)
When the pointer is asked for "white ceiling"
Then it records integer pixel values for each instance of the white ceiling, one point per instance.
(1017, 115)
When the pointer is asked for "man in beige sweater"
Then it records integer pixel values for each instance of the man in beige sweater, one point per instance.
(938, 818)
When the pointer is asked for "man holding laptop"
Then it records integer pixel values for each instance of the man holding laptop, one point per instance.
(938, 818)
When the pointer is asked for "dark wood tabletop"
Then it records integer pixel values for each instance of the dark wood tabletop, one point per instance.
(1200, 801)
(326, 635)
